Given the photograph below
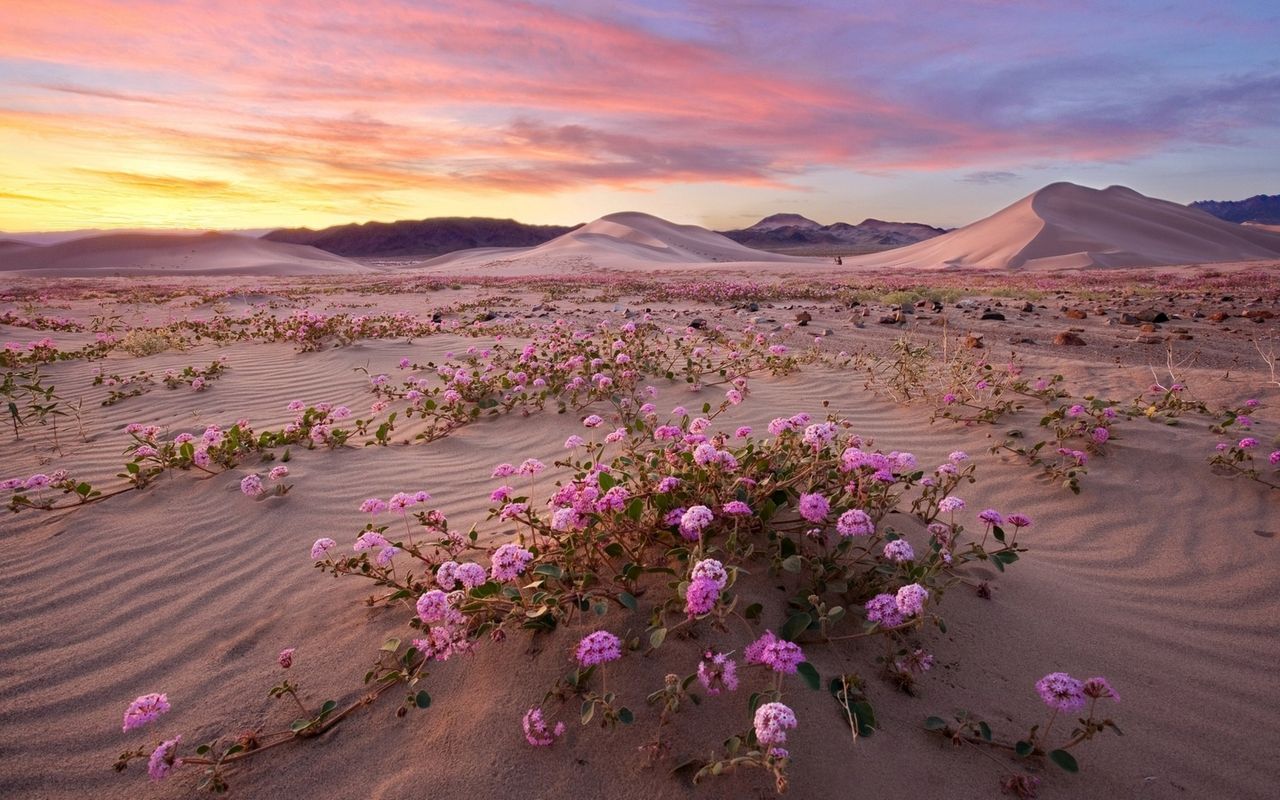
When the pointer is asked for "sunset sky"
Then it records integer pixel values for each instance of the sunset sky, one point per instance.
(226, 114)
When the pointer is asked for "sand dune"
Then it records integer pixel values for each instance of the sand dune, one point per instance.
(165, 254)
(1065, 226)
(617, 241)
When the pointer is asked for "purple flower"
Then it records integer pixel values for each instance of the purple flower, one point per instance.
(777, 654)
(772, 721)
(814, 507)
(1019, 520)
(899, 551)
(598, 648)
(711, 569)
(1248, 443)
(145, 709)
(701, 596)
(251, 486)
(1061, 691)
(717, 672)
(164, 759)
(536, 731)
(322, 547)
(1098, 688)
(949, 505)
(911, 599)
(509, 562)
(883, 608)
(694, 521)
(736, 508)
(991, 517)
(285, 659)
(855, 522)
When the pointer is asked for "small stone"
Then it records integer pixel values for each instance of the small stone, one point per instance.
(698, 323)
(1075, 313)
(803, 318)
(972, 342)
(1027, 308)
(1068, 339)
(1152, 315)
(995, 315)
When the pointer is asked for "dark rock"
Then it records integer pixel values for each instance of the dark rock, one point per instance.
(698, 323)
(1152, 315)
(803, 318)
(996, 315)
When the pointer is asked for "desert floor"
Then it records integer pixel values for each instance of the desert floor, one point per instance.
(1160, 574)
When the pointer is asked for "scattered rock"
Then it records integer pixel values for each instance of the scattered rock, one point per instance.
(1152, 315)
(1129, 319)
(1027, 308)
(1148, 327)
(972, 342)
(1218, 316)
(1146, 338)
(1068, 339)
(996, 315)
(1075, 313)
(698, 323)
(1021, 340)
(803, 318)
(1258, 314)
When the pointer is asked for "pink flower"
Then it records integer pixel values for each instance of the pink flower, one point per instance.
(991, 517)
(777, 654)
(164, 759)
(509, 562)
(144, 710)
(911, 599)
(321, 548)
(898, 551)
(1019, 520)
(536, 731)
(736, 508)
(598, 648)
(1248, 443)
(593, 421)
(1098, 688)
(694, 521)
(278, 472)
(374, 506)
(717, 672)
(1060, 691)
(883, 608)
(855, 522)
(949, 505)
(701, 596)
(285, 659)
(772, 721)
(814, 507)
(504, 471)
(743, 432)
(251, 486)
(573, 442)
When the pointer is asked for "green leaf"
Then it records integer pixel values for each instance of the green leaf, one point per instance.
(793, 563)
(657, 637)
(625, 716)
(753, 611)
(588, 711)
(809, 673)
(550, 570)
(1064, 759)
(607, 481)
(635, 508)
(422, 700)
(627, 599)
(796, 625)
(1024, 748)
(985, 730)
(390, 645)
(935, 724)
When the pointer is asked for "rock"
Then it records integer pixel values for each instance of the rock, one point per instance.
(437, 317)
(972, 342)
(698, 323)
(1184, 337)
(996, 315)
(1068, 339)
(937, 307)
(1258, 314)
(1075, 313)
(891, 319)
(1027, 308)
(1218, 316)
(1129, 319)
(828, 332)
(1146, 338)
(906, 308)
(1151, 315)
(1148, 327)
(753, 307)
(1021, 340)
(629, 314)
(803, 318)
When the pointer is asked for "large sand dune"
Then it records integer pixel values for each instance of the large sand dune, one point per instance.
(165, 254)
(1065, 226)
(617, 241)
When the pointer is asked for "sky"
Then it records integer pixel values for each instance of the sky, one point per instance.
(225, 114)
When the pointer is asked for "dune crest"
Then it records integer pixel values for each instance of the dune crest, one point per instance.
(165, 254)
(1066, 226)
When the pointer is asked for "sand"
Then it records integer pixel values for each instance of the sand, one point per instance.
(173, 254)
(1158, 576)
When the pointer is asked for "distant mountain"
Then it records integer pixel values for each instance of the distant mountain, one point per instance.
(424, 237)
(789, 231)
(1264, 208)
(57, 237)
